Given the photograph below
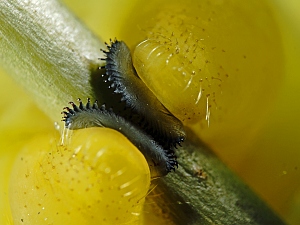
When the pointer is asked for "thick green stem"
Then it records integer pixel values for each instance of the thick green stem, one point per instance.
(204, 191)
(50, 53)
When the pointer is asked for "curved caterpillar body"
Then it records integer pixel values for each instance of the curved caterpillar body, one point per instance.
(125, 80)
(161, 161)
(150, 127)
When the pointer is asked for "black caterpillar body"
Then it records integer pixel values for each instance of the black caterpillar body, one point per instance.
(125, 80)
(161, 161)
(154, 130)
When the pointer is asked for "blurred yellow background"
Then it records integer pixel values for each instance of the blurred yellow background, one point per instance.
(270, 164)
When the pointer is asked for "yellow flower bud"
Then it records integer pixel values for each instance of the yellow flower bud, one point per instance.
(97, 177)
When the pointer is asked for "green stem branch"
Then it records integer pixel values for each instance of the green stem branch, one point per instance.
(48, 51)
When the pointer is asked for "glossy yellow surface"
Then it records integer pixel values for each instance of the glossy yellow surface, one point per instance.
(90, 180)
(210, 65)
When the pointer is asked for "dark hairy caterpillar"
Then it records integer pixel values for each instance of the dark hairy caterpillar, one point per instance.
(161, 161)
(150, 126)
(125, 80)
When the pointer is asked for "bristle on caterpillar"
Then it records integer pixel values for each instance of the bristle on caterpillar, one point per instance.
(161, 161)
(161, 123)
(151, 127)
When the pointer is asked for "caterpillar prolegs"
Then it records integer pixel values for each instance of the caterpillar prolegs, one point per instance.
(154, 130)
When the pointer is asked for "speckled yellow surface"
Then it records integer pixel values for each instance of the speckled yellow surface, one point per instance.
(91, 179)
(269, 161)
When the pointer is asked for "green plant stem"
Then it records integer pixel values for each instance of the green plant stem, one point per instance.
(204, 191)
(48, 51)
(53, 55)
